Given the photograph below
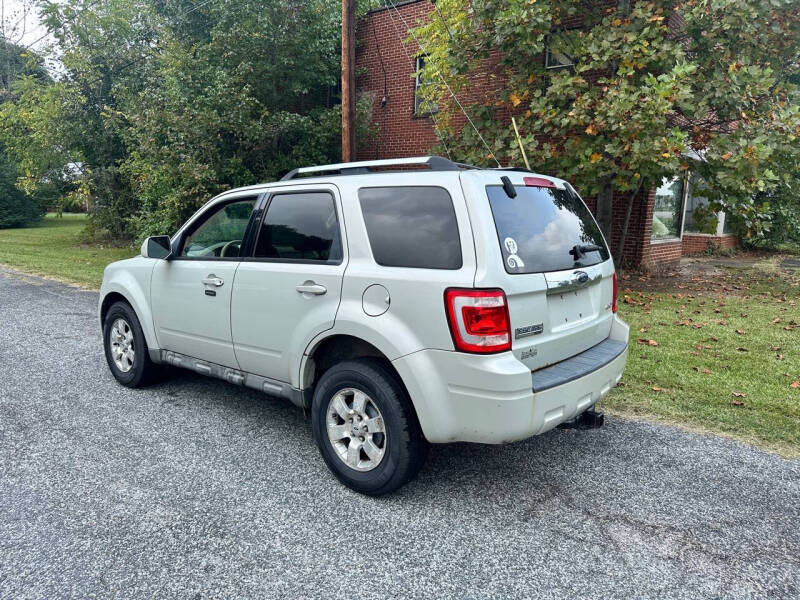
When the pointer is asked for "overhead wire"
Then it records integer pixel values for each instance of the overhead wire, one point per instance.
(139, 59)
(75, 16)
(436, 128)
(397, 33)
(385, 100)
(444, 21)
(447, 85)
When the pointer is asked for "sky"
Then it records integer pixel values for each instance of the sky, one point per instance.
(22, 26)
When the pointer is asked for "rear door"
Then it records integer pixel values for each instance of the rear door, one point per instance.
(288, 290)
(544, 249)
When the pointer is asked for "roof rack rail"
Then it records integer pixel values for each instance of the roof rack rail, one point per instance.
(518, 169)
(435, 163)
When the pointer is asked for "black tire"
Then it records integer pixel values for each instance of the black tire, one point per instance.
(143, 371)
(405, 446)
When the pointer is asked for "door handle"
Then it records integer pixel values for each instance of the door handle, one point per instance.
(309, 287)
(213, 280)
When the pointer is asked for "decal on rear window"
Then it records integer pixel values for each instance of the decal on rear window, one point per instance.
(540, 228)
(513, 261)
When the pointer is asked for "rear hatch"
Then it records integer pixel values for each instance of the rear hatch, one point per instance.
(545, 250)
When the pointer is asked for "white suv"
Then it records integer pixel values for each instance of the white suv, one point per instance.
(403, 302)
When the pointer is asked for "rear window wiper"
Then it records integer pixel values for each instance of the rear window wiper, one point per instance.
(580, 250)
(508, 187)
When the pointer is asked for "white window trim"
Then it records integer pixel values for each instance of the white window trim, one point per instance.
(679, 237)
(721, 223)
(557, 66)
(418, 100)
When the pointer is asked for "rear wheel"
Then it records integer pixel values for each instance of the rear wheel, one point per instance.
(365, 427)
(125, 347)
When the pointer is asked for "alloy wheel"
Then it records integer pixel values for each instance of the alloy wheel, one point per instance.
(356, 429)
(122, 350)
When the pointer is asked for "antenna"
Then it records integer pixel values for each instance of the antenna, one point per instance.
(519, 141)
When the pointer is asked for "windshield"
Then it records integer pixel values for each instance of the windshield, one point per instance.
(545, 229)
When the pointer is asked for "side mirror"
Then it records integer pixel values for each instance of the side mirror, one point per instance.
(157, 247)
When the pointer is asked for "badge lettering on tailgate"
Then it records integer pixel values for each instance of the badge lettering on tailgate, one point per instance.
(521, 332)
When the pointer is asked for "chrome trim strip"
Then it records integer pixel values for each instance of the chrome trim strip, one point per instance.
(273, 387)
(568, 285)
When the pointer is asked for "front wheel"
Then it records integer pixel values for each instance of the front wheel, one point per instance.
(126, 348)
(365, 427)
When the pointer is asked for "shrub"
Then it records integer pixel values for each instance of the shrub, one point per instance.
(16, 208)
(782, 229)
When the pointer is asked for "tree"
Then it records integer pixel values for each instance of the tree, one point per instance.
(644, 85)
(161, 105)
(238, 94)
(15, 61)
(17, 208)
(60, 131)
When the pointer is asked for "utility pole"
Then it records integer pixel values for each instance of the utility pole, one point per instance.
(348, 80)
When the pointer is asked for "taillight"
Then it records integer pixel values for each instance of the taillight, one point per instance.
(614, 292)
(478, 320)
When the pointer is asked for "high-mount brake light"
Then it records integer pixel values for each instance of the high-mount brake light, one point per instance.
(538, 182)
(478, 320)
(614, 292)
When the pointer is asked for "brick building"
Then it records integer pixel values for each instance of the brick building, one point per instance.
(661, 228)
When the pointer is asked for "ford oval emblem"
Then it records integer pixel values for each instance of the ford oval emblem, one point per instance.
(581, 277)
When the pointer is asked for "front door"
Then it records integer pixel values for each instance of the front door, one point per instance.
(191, 293)
(289, 290)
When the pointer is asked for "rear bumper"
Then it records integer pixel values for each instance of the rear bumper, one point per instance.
(495, 399)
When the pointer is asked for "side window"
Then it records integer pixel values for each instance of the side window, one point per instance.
(411, 227)
(221, 231)
(300, 226)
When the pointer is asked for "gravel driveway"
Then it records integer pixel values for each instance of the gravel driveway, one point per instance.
(195, 488)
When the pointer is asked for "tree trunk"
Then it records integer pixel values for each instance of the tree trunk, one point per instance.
(605, 199)
(604, 209)
(620, 253)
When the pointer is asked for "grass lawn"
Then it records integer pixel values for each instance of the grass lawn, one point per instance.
(54, 249)
(717, 353)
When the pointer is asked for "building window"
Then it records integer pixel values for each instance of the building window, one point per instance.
(668, 209)
(422, 106)
(697, 217)
(695, 223)
(555, 56)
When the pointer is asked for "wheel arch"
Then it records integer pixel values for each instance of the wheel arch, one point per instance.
(108, 300)
(325, 352)
(135, 297)
(334, 348)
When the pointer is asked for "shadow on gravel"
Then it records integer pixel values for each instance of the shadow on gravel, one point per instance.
(531, 468)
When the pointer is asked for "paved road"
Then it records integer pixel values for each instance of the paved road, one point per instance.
(199, 489)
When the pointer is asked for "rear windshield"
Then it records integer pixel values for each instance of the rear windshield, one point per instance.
(539, 229)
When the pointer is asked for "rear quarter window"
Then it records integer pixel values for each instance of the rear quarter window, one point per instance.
(411, 227)
(538, 229)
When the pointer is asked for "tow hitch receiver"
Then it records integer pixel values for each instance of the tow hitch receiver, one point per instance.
(588, 419)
